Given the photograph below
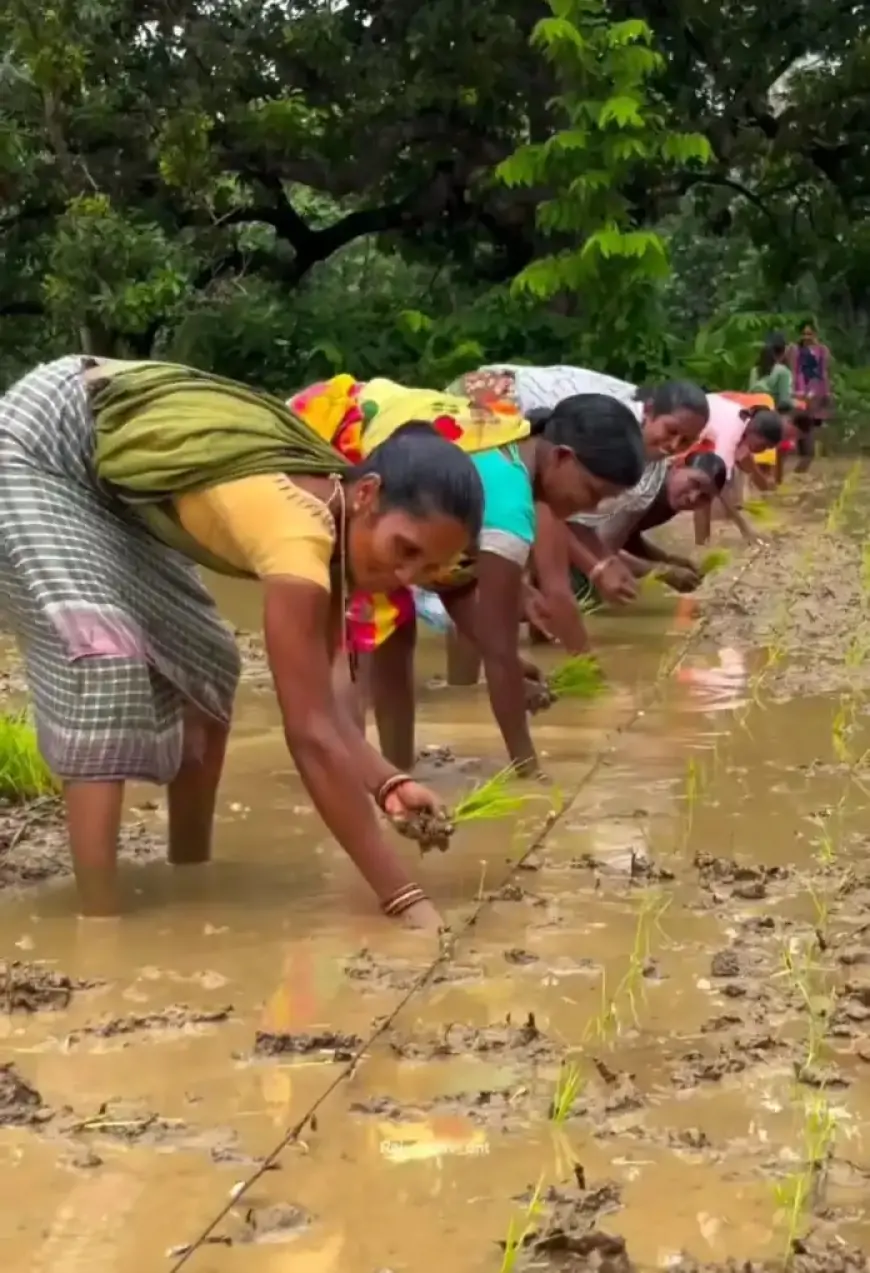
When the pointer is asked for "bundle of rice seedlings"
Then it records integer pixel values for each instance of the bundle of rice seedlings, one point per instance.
(714, 560)
(24, 775)
(760, 511)
(650, 582)
(578, 677)
(588, 603)
(492, 799)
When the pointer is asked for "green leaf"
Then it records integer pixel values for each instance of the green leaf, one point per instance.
(550, 33)
(621, 111)
(413, 322)
(629, 32)
(683, 148)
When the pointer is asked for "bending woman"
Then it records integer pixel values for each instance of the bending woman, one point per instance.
(687, 487)
(671, 417)
(114, 480)
(737, 432)
(590, 448)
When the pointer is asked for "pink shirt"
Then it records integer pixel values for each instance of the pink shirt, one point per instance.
(725, 429)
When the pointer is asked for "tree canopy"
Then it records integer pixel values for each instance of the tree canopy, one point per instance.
(279, 189)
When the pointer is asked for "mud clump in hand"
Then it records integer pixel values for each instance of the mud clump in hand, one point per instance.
(430, 830)
(539, 696)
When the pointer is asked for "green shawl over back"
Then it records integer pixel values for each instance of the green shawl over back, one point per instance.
(164, 430)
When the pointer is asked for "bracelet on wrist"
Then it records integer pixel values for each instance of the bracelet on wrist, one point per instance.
(402, 900)
(389, 786)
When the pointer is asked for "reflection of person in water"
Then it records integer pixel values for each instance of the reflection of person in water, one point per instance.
(720, 688)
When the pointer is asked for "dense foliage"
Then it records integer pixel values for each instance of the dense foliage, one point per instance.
(281, 190)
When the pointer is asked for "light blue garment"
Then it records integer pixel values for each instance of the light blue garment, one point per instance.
(508, 505)
(431, 609)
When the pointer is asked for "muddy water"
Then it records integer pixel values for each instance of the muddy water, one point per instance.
(697, 814)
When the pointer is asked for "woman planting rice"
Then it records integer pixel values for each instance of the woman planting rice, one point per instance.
(692, 485)
(114, 479)
(589, 448)
(739, 429)
(672, 418)
(684, 487)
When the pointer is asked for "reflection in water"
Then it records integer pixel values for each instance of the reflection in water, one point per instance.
(436, 1137)
(720, 688)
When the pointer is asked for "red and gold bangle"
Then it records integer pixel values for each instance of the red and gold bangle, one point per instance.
(402, 900)
(389, 786)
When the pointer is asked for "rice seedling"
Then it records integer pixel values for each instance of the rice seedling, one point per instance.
(843, 502)
(577, 677)
(841, 729)
(493, 799)
(715, 559)
(24, 775)
(520, 1229)
(606, 1023)
(568, 1087)
(827, 844)
(652, 908)
(802, 969)
(792, 1199)
(588, 603)
(857, 651)
(865, 567)
(693, 785)
(760, 511)
(801, 1192)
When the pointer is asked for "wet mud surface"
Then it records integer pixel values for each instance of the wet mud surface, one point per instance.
(33, 844)
(651, 1049)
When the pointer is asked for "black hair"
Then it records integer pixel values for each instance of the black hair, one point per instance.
(767, 424)
(771, 351)
(601, 431)
(423, 473)
(675, 395)
(710, 463)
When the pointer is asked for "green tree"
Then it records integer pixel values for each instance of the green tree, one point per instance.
(614, 131)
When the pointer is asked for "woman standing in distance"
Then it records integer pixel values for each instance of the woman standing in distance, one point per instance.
(811, 365)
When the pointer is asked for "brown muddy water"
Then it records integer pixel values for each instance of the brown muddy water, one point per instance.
(689, 935)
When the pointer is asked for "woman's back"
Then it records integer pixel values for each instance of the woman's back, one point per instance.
(538, 387)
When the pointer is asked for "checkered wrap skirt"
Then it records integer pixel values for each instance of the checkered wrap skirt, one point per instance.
(118, 632)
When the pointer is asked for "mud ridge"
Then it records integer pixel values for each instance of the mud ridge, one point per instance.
(177, 1019)
(328, 1044)
(36, 987)
(525, 1041)
(377, 972)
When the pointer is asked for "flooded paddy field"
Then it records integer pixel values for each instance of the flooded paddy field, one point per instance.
(648, 1046)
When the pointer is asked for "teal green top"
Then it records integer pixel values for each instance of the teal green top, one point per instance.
(777, 383)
